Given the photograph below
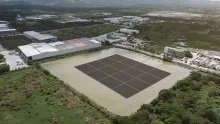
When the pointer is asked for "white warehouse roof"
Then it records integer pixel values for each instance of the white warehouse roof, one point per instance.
(3, 22)
(124, 30)
(36, 49)
(39, 48)
(3, 26)
(38, 36)
(7, 30)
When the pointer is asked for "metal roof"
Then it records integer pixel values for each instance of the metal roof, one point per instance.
(3, 26)
(28, 50)
(39, 36)
(7, 30)
(3, 22)
(38, 48)
(31, 33)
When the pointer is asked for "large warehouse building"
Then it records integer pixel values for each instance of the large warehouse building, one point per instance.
(37, 51)
(37, 37)
(175, 52)
(128, 31)
(5, 30)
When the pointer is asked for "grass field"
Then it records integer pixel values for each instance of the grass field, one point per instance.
(85, 31)
(198, 34)
(45, 25)
(32, 96)
(13, 42)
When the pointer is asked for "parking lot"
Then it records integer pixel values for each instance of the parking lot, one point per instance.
(13, 59)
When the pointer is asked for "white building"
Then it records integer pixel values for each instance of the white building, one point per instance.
(37, 51)
(212, 55)
(37, 37)
(103, 14)
(218, 67)
(174, 14)
(175, 52)
(4, 22)
(40, 17)
(5, 30)
(199, 61)
(115, 20)
(128, 31)
(126, 20)
(118, 40)
(4, 26)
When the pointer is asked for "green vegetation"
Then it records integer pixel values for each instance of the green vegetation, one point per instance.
(2, 59)
(4, 68)
(45, 25)
(194, 100)
(167, 58)
(189, 54)
(13, 42)
(86, 31)
(33, 96)
(198, 34)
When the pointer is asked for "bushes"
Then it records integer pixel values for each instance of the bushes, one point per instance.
(188, 54)
(190, 101)
(4, 68)
(84, 31)
(196, 76)
(167, 58)
(1, 56)
(211, 115)
(165, 95)
(2, 59)
(45, 25)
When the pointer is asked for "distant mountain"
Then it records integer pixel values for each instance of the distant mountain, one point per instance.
(110, 2)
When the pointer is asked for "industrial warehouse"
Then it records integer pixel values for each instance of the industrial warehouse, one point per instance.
(128, 31)
(37, 51)
(5, 30)
(37, 37)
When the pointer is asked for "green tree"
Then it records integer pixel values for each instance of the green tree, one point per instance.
(4, 68)
(189, 54)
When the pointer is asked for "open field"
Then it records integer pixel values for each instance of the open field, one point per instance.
(65, 70)
(45, 25)
(84, 31)
(12, 42)
(203, 34)
(33, 96)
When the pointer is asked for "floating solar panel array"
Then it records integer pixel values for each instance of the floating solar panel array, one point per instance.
(123, 75)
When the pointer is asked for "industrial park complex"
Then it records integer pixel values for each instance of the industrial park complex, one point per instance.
(117, 69)
(123, 75)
